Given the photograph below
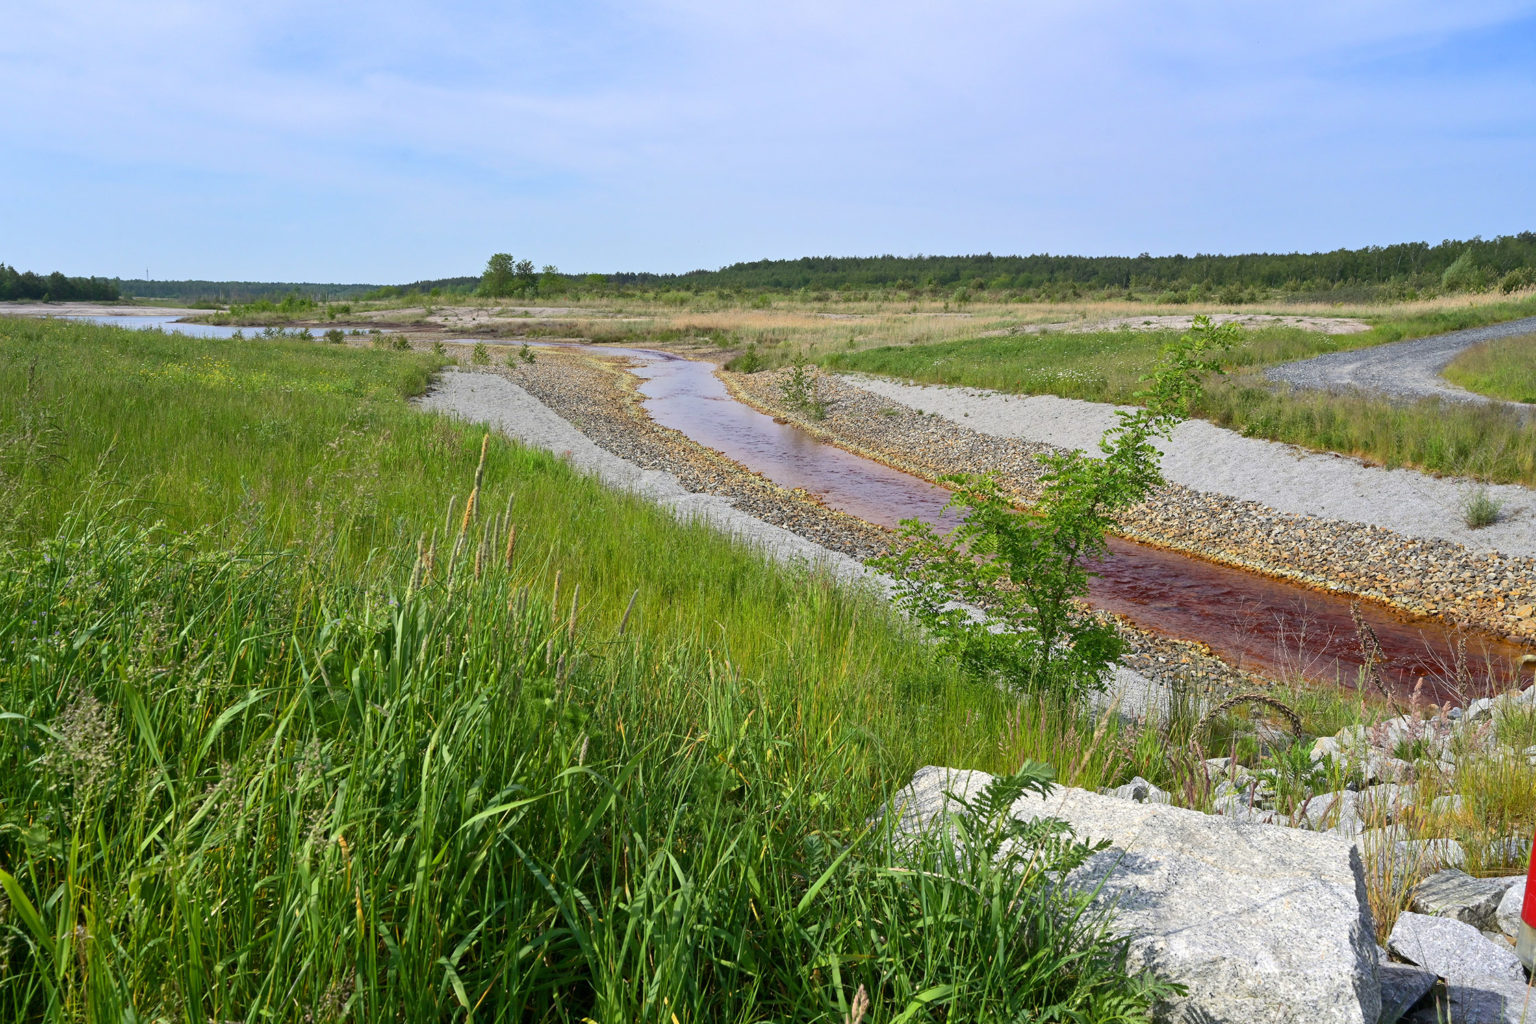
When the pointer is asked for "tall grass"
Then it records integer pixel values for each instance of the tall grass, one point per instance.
(1488, 442)
(1505, 369)
(291, 735)
(248, 786)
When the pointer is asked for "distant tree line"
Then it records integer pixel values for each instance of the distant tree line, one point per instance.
(231, 292)
(1406, 270)
(54, 287)
(1472, 265)
(435, 286)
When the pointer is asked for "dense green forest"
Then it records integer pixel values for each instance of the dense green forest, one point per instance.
(225, 292)
(54, 287)
(1406, 270)
(1473, 265)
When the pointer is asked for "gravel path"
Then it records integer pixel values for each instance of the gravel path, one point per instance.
(1402, 369)
(1212, 459)
(1183, 321)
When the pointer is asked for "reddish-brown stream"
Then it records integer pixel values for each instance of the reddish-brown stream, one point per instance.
(1251, 621)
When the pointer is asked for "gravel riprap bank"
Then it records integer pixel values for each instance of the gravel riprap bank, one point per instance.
(617, 440)
(599, 398)
(509, 407)
(1423, 575)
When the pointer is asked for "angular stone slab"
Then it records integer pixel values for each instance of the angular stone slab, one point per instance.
(1140, 791)
(1265, 925)
(1452, 949)
(1459, 896)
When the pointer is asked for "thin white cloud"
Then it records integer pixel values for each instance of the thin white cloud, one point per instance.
(846, 126)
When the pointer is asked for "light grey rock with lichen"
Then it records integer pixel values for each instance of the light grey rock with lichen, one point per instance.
(1445, 805)
(1264, 925)
(1140, 791)
(1455, 894)
(1485, 999)
(1507, 914)
(1337, 812)
(1391, 857)
(1452, 949)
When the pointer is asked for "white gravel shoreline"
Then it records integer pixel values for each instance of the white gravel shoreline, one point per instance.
(1215, 460)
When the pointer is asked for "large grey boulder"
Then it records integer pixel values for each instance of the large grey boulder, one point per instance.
(1386, 804)
(1507, 914)
(1455, 894)
(1264, 925)
(1392, 857)
(1337, 812)
(1452, 949)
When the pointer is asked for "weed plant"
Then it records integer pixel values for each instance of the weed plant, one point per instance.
(1480, 509)
(801, 391)
(1029, 568)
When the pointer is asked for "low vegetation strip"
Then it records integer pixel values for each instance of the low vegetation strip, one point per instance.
(294, 734)
(1504, 368)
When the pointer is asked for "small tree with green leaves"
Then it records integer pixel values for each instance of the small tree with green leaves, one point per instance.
(499, 277)
(1028, 567)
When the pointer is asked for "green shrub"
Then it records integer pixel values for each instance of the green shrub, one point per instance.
(1515, 280)
(1480, 509)
(750, 360)
(1028, 568)
(1465, 274)
(480, 355)
(801, 391)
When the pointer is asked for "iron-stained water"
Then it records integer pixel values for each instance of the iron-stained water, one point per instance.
(1274, 627)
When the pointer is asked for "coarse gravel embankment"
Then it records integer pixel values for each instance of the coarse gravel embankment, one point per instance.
(1410, 564)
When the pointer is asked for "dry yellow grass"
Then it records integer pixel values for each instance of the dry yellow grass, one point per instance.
(801, 326)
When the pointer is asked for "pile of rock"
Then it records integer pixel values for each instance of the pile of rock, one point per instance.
(1383, 789)
(1266, 924)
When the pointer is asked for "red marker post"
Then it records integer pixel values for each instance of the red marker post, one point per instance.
(1525, 945)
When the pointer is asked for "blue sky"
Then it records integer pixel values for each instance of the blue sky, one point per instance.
(391, 140)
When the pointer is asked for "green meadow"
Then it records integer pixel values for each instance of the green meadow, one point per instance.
(303, 724)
